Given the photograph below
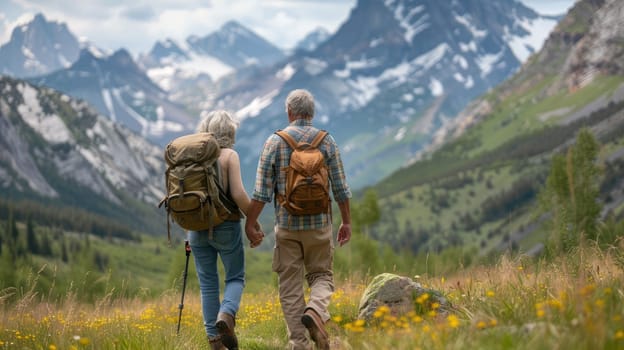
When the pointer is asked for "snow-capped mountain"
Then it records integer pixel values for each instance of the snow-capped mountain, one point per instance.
(192, 71)
(57, 147)
(238, 46)
(116, 87)
(392, 76)
(215, 55)
(313, 39)
(38, 47)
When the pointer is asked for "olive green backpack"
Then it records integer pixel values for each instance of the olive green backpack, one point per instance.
(195, 199)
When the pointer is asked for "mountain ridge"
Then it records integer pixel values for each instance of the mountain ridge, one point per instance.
(60, 149)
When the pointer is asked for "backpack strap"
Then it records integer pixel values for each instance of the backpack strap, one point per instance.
(224, 196)
(320, 135)
(289, 139)
(318, 138)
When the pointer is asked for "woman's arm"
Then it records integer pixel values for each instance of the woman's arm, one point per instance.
(237, 190)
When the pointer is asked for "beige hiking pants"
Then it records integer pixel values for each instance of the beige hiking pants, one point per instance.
(311, 251)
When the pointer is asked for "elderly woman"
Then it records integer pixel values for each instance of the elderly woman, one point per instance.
(226, 242)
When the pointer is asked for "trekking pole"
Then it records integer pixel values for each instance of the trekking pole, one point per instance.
(187, 249)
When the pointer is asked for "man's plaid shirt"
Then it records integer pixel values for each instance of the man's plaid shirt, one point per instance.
(275, 156)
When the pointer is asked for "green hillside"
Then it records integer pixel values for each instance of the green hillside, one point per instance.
(478, 190)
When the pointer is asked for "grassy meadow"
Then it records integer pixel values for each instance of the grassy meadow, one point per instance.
(575, 301)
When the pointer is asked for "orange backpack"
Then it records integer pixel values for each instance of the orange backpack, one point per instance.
(307, 177)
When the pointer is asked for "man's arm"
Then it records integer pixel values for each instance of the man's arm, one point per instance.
(254, 235)
(344, 232)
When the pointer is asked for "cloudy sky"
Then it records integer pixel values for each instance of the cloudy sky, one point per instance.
(137, 25)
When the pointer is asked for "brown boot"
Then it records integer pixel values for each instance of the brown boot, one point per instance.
(312, 321)
(215, 343)
(225, 327)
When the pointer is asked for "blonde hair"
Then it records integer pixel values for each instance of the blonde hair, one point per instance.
(222, 125)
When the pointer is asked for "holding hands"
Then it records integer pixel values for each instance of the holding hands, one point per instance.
(254, 234)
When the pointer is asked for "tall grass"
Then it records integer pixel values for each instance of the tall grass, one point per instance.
(575, 301)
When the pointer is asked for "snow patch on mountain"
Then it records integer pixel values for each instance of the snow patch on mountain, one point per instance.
(431, 58)
(314, 66)
(436, 87)
(405, 15)
(188, 69)
(355, 65)
(461, 61)
(486, 62)
(465, 20)
(50, 126)
(524, 46)
(256, 106)
(286, 73)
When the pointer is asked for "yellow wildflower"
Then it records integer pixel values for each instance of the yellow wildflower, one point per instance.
(453, 321)
(489, 293)
(384, 309)
(422, 298)
(481, 324)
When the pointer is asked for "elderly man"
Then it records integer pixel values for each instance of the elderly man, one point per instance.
(302, 242)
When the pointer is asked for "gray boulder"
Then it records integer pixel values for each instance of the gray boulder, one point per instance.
(400, 294)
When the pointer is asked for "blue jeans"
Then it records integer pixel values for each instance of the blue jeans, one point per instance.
(226, 242)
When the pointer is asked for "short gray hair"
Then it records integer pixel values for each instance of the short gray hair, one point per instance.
(300, 103)
(222, 125)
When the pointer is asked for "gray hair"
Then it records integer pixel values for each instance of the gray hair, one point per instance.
(222, 125)
(300, 103)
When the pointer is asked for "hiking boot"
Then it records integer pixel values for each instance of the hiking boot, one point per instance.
(215, 343)
(225, 327)
(312, 321)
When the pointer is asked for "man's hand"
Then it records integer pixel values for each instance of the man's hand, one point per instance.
(254, 234)
(344, 234)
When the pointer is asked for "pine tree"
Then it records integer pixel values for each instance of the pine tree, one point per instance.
(367, 211)
(571, 193)
(64, 255)
(31, 239)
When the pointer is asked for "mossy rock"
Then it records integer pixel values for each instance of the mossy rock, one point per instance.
(401, 295)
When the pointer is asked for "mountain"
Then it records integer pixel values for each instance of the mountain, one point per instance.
(479, 188)
(117, 87)
(393, 74)
(194, 71)
(215, 55)
(38, 47)
(238, 46)
(60, 151)
(313, 39)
